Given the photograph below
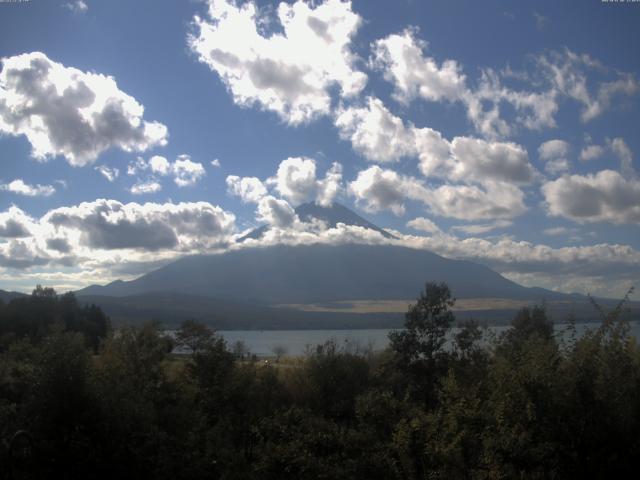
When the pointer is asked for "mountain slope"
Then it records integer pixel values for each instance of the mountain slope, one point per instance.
(320, 273)
(331, 215)
(6, 297)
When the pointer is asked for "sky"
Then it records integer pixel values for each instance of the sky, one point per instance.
(506, 133)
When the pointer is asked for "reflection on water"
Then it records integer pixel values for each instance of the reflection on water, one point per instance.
(295, 342)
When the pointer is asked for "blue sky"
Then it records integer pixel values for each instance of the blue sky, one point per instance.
(501, 132)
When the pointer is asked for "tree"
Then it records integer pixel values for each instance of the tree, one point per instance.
(194, 335)
(279, 351)
(240, 349)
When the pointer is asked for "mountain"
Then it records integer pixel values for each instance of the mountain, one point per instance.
(6, 297)
(331, 215)
(318, 286)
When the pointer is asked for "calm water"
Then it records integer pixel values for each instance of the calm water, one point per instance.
(296, 342)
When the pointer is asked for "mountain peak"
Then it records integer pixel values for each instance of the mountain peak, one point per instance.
(332, 215)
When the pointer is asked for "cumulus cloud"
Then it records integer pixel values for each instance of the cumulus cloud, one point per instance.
(401, 58)
(468, 202)
(20, 254)
(330, 186)
(110, 225)
(555, 75)
(376, 133)
(65, 235)
(380, 136)
(486, 162)
(591, 152)
(423, 224)
(376, 189)
(108, 172)
(19, 187)
(215, 163)
(59, 244)
(296, 180)
(275, 212)
(64, 111)
(185, 172)
(289, 72)
(14, 223)
(554, 153)
(160, 165)
(249, 189)
(143, 187)
(606, 196)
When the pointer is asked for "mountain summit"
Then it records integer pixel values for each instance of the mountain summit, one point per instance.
(331, 215)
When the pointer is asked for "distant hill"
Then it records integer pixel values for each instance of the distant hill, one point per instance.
(8, 296)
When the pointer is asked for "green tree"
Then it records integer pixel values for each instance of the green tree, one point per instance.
(418, 348)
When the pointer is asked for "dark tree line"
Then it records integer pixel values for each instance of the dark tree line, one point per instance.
(437, 403)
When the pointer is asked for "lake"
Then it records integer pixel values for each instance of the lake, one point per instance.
(296, 342)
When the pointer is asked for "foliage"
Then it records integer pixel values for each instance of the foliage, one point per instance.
(441, 402)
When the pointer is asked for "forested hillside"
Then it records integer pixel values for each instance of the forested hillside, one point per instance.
(78, 400)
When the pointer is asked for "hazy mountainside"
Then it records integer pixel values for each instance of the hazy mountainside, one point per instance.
(8, 296)
(172, 308)
(332, 216)
(320, 273)
(248, 288)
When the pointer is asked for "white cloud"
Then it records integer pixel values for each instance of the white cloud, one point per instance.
(14, 223)
(275, 212)
(77, 6)
(330, 186)
(380, 136)
(249, 189)
(473, 159)
(288, 72)
(478, 229)
(215, 163)
(186, 172)
(604, 197)
(554, 153)
(108, 172)
(424, 225)
(623, 152)
(376, 133)
(144, 187)
(106, 239)
(591, 152)
(555, 75)
(376, 189)
(557, 231)
(160, 165)
(401, 58)
(467, 202)
(295, 180)
(64, 111)
(112, 225)
(18, 186)
(566, 73)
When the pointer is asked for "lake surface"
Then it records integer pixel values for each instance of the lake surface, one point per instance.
(297, 342)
